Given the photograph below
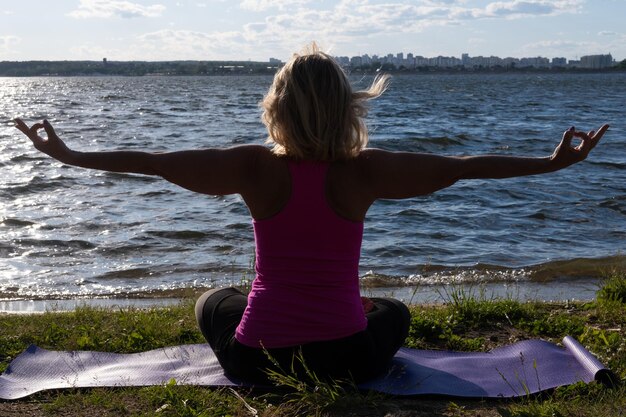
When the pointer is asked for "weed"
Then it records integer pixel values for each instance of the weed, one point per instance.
(311, 395)
(613, 289)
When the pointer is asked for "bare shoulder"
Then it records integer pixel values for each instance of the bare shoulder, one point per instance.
(373, 161)
(248, 152)
(404, 174)
(266, 162)
(349, 186)
(256, 161)
(269, 183)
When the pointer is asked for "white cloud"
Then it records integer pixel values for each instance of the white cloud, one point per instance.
(514, 9)
(344, 24)
(171, 44)
(362, 18)
(115, 8)
(361, 21)
(562, 47)
(260, 5)
(8, 41)
(607, 33)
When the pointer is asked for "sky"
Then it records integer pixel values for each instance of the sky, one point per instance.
(152, 30)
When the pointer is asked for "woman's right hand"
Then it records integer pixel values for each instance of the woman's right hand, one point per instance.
(52, 145)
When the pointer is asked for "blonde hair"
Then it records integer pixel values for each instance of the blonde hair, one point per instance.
(311, 112)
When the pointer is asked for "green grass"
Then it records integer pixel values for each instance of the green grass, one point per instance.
(466, 321)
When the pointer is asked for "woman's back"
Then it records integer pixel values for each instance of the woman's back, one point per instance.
(307, 257)
(345, 186)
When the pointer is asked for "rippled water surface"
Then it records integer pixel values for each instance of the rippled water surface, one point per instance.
(66, 231)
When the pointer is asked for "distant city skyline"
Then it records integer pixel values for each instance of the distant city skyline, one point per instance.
(157, 30)
(411, 61)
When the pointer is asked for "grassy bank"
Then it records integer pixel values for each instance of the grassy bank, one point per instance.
(467, 321)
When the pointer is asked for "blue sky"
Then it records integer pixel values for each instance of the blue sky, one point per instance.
(260, 29)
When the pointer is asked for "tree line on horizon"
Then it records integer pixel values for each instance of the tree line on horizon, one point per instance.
(199, 68)
(132, 68)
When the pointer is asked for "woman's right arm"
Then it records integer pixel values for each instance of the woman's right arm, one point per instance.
(404, 174)
(207, 171)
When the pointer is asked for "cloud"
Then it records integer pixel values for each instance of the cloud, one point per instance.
(170, 44)
(115, 8)
(515, 9)
(607, 33)
(363, 21)
(563, 47)
(7, 46)
(8, 41)
(283, 30)
(351, 18)
(519, 8)
(260, 5)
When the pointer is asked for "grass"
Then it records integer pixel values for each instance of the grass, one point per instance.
(466, 321)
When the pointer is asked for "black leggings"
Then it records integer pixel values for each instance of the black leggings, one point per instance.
(358, 357)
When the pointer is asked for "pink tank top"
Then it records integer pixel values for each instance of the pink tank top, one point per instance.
(307, 283)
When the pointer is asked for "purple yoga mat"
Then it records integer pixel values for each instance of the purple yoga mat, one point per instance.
(522, 368)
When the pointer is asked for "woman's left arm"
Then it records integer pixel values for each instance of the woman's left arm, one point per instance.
(494, 166)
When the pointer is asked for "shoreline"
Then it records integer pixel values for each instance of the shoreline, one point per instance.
(577, 290)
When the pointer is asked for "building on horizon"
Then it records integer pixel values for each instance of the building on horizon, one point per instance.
(398, 61)
(596, 61)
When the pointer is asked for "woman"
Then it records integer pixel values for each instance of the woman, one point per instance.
(308, 197)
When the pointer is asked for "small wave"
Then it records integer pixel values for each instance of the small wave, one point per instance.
(28, 158)
(125, 249)
(616, 165)
(616, 204)
(410, 212)
(446, 276)
(126, 273)
(441, 140)
(156, 193)
(37, 184)
(16, 222)
(55, 243)
(238, 226)
(580, 267)
(112, 97)
(178, 234)
(132, 177)
(540, 215)
(561, 270)
(6, 250)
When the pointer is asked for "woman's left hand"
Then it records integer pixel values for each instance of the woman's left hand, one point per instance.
(565, 154)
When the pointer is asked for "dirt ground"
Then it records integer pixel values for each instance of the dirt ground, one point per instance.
(410, 407)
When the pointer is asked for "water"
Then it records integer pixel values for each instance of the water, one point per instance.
(67, 232)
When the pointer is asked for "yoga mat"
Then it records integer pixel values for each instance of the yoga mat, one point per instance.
(523, 368)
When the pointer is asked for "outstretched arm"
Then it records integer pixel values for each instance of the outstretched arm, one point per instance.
(509, 166)
(404, 174)
(210, 171)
